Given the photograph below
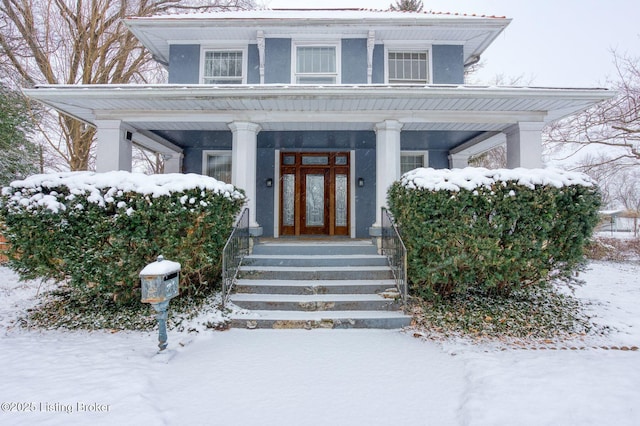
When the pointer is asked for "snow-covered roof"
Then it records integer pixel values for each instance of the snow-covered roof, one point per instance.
(474, 32)
(321, 13)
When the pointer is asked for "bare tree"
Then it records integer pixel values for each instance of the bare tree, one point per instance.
(80, 42)
(495, 158)
(147, 162)
(628, 192)
(613, 124)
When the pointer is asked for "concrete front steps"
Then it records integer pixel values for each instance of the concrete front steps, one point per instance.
(316, 284)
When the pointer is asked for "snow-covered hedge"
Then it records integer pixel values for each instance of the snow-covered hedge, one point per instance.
(492, 230)
(98, 230)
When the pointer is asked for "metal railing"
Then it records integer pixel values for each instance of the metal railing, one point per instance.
(236, 248)
(394, 249)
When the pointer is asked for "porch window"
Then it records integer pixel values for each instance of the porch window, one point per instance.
(408, 67)
(223, 67)
(316, 65)
(217, 164)
(410, 160)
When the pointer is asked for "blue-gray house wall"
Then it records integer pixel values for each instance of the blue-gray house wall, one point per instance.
(448, 64)
(184, 63)
(447, 67)
(354, 61)
(277, 61)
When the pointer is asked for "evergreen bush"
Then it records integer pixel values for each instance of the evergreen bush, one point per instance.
(492, 231)
(96, 231)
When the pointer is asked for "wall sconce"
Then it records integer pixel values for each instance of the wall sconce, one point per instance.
(269, 182)
(360, 182)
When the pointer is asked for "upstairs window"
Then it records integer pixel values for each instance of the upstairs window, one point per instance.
(316, 65)
(223, 67)
(409, 67)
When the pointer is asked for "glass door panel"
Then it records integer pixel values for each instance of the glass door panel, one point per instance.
(315, 199)
(341, 200)
(314, 193)
(288, 199)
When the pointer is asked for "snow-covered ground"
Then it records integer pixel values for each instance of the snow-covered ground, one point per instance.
(322, 377)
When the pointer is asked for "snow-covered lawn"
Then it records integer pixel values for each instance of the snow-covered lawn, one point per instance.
(322, 377)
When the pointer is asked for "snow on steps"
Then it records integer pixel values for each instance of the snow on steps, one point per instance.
(316, 285)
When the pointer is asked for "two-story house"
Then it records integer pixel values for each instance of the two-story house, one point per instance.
(314, 113)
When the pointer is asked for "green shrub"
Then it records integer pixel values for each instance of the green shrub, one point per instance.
(97, 231)
(492, 231)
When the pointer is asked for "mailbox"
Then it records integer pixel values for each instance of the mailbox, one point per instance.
(159, 282)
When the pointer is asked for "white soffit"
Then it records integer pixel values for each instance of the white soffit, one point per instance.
(199, 107)
(475, 33)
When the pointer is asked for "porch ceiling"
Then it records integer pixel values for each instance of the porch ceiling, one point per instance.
(341, 107)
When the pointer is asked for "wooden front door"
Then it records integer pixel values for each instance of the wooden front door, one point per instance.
(314, 193)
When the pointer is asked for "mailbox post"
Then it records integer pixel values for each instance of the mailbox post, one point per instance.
(160, 282)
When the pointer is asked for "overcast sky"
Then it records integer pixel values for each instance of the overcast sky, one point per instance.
(558, 43)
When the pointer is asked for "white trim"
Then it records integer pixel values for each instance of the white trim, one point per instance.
(298, 42)
(206, 153)
(416, 153)
(352, 201)
(371, 44)
(261, 43)
(352, 197)
(409, 46)
(276, 195)
(213, 43)
(224, 48)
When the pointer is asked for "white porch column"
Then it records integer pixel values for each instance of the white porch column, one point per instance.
(524, 145)
(173, 163)
(113, 149)
(387, 162)
(244, 159)
(458, 161)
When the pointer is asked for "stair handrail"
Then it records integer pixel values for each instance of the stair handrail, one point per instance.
(235, 249)
(395, 251)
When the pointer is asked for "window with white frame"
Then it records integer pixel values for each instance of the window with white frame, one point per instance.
(217, 164)
(316, 64)
(410, 160)
(410, 66)
(223, 67)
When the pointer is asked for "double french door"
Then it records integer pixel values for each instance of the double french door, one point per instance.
(314, 193)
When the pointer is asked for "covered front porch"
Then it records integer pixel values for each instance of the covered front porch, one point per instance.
(367, 129)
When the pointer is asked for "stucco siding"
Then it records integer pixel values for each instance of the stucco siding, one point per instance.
(184, 64)
(378, 64)
(448, 64)
(354, 61)
(277, 61)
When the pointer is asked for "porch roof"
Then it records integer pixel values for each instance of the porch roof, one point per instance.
(305, 107)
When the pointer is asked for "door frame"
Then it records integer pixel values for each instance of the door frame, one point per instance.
(351, 198)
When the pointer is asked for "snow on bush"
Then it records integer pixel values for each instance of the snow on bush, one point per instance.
(472, 178)
(98, 230)
(39, 191)
(492, 231)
